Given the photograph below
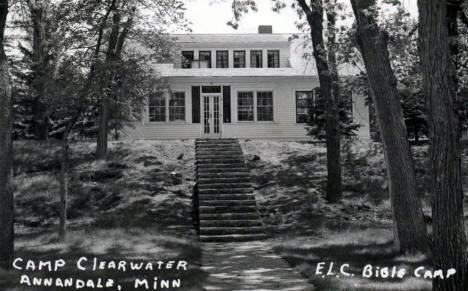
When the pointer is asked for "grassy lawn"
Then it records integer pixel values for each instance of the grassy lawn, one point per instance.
(290, 178)
(135, 207)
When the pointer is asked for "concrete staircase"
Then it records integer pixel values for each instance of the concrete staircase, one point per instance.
(227, 207)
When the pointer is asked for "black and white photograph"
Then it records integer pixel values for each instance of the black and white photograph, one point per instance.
(234, 145)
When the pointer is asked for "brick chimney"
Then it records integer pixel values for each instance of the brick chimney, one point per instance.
(265, 29)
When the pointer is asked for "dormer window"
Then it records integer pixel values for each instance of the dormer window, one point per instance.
(222, 59)
(256, 59)
(239, 59)
(187, 59)
(273, 59)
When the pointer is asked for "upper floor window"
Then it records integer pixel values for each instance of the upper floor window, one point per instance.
(157, 107)
(273, 59)
(205, 57)
(222, 59)
(304, 106)
(187, 59)
(256, 59)
(239, 59)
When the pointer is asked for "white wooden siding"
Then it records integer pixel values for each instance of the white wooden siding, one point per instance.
(284, 125)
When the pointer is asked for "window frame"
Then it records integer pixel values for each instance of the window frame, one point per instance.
(184, 106)
(243, 62)
(252, 55)
(255, 104)
(275, 61)
(184, 58)
(296, 92)
(200, 53)
(163, 95)
(167, 97)
(218, 53)
(272, 105)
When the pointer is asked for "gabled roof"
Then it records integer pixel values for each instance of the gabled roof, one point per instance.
(232, 38)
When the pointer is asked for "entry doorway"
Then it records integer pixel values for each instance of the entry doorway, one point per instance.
(212, 115)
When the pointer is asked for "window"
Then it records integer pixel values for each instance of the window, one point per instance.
(157, 107)
(256, 59)
(177, 106)
(211, 89)
(239, 59)
(245, 106)
(205, 56)
(273, 59)
(187, 59)
(222, 59)
(264, 106)
(304, 104)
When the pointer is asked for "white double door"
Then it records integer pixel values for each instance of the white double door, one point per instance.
(212, 105)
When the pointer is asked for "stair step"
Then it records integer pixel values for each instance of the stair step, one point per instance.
(229, 216)
(224, 180)
(223, 185)
(226, 209)
(232, 237)
(221, 151)
(244, 190)
(227, 203)
(231, 230)
(223, 175)
(227, 169)
(217, 142)
(220, 161)
(230, 223)
(226, 196)
(222, 168)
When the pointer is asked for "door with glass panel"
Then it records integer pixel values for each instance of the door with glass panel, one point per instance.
(212, 115)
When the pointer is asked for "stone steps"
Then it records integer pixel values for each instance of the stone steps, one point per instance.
(227, 206)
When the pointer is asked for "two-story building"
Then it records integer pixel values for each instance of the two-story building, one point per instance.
(236, 85)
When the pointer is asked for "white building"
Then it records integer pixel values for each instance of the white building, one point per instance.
(236, 85)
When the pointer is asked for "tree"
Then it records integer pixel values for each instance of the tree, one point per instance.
(437, 25)
(6, 192)
(325, 59)
(115, 46)
(168, 11)
(409, 227)
(38, 10)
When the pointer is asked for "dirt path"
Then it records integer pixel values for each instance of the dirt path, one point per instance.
(248, 266)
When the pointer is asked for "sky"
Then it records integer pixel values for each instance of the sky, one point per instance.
(211, 16)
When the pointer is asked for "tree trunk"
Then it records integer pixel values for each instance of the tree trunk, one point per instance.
(330, 91)
(333, 115)
(439, 75)
(6, 191)
(103, 133)
(409, 226)
(63, 177)
(38, 12)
